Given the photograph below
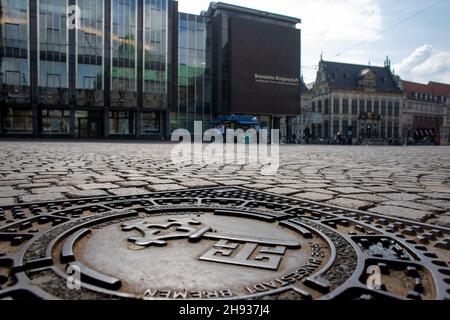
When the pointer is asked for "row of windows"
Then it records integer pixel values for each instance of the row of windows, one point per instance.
(383, 129)
(194, 75)
(54, 45)
(57, 121)
(357, 107)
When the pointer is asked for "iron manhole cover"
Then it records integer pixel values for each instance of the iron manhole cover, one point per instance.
(216, 243)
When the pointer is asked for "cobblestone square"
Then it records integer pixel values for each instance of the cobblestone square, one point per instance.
(405, 182)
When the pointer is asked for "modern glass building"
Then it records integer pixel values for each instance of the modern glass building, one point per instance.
(139, 68)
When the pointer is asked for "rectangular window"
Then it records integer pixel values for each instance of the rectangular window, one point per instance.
(376, 107)
(121, 122)
(17, 121)
(150, 123)
(362, 106)
(319, 107)
(383, 108)
(390, 109)
(369, 106)
(327, 106)
(397, 109)
(55, 121)
(313, 107)
(336, 106)
(345, 109)
(13, 78)
(354, 106)
(336, 127)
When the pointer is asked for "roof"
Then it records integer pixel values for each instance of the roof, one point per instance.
(229, 7)
(347, 76)
(303, 87)
(440, 89)
(432, 88)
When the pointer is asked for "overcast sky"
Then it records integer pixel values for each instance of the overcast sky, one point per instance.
(419, 48)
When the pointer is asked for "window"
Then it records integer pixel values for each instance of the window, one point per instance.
(345, 109)
(12, 35)
(369, 106)
(354, 106)
(376, 107)
(55, 121)
(397, 109)
(327, 106)
(336, 127)
(396, 130)
(13, 78)
(362, 106)
(150, 123)
(53, 81)
(313, 106)
(121, 122)
(17, 121)
(390, 109)
(336, 106)
(383, 108)
(319, 107)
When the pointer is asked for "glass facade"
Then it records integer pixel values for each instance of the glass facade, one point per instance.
(53, 45)
(14, 61)
(130, 67)
(14, 67)
(155, 54)
(194, 73)
(90, 52)
(124, 53)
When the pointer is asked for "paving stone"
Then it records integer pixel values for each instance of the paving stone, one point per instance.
(400, 196)
(412, 205)
(379, 189)
(52, 190)
(436, 195)
(194, 183)
(7, 202)
(94, 186)
(165, 187)
(128, 191)
(441, 220)
(231, 182)
(443, 204)
(133, 184)
(314, 196)
(348, 190)
(91, 193)
(8, 183)
(33, 186)
(366, 197)
(349, 203)
(400, 212)
(12, 193)
(42, 197)
(105, 179)
(282, 191)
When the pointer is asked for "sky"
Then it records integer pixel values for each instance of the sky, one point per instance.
(417, 41)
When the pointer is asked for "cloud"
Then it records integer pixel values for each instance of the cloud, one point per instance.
(425, 64)
(328, 26)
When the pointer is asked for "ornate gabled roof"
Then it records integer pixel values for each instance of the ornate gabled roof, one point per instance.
(352, 76)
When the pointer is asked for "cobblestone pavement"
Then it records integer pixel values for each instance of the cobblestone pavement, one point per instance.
(411, 182)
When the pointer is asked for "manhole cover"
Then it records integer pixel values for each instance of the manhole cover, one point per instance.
(216, 243)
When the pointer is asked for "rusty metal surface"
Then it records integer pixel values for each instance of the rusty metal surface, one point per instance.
(217, 243)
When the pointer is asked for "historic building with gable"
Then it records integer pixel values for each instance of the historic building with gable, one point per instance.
(357, 104)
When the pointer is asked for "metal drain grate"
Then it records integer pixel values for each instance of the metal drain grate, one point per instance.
(218, 243)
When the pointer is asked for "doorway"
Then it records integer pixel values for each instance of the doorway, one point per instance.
(89, 124)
